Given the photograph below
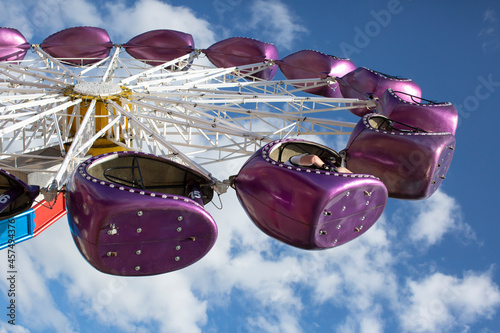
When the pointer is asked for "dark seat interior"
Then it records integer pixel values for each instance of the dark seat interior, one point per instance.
(161, 176)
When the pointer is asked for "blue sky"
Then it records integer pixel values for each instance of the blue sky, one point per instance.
(426, 266)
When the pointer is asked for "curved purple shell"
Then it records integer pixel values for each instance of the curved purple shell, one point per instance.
(436, 117)
(125, 230)
(303, 207)
(13, 45)
(309, 64)
(159, 46)
(364, 83)
(240, 51)
(412, 165)
(16, 196)
(79, 45)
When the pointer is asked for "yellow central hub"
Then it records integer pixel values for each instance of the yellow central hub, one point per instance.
(101, 92)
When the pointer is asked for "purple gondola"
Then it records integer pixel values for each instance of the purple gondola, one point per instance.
(132, 214)
(411, 163)
(159, 46)
(13, 45)
(304, 207)
(15, 195)
(79, 45)
(434, 117)
(364, 83)
(17, 220)
(309, 64)
(240, 51)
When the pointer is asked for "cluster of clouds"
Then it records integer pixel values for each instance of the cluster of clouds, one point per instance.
(272, 21)
(282, 287)
(489, 34)
(361, 286)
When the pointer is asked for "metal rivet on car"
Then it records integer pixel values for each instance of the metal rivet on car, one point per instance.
(138, 252)
(139, 230)
(137, 268)
(179, 229)
(139, 213)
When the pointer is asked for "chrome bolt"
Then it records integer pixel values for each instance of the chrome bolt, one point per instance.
(139, 213)
(137, 268)
(177, 258)
(179, 229)
(138, 252)
(179, 218)
(139, 230)
(178, 247)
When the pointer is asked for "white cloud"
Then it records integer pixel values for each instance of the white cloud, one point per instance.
(275, 21)
(8, 328)
(33, 17)
(14, 15)
(125, 22)
(436, 216)
(40, 305)
(442, 303)
(122, 21)
(489, 33)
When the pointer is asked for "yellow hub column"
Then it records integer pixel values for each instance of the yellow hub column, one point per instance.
(101, 92)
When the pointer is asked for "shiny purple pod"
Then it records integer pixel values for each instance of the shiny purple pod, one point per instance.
(159, 46)
(16, 196)
(431, 117)
(79, 45)
(412, 165)
(364, 83)
(240, 51)
(309, 64)
(131, 214)
(305, 207)
(13, 45)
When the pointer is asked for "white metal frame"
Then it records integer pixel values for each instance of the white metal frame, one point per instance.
(197, 115)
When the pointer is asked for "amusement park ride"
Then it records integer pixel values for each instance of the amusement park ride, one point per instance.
(117, 137)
